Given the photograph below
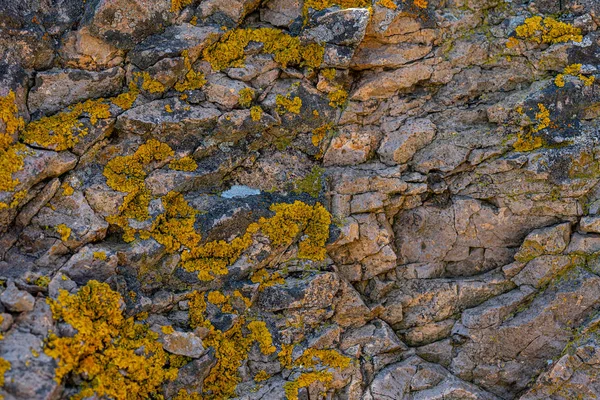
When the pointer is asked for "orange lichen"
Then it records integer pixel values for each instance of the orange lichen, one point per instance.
(527, 142)
(420, 3)
(112, 356)
(548, 30)
(150, 84)
(286, 49)
(512, 43)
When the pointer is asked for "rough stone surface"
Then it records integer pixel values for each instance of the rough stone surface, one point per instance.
(301, 200)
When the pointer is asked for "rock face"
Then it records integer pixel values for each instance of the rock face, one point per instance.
(347, 200)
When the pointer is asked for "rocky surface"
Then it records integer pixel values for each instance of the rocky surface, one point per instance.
(346, 200)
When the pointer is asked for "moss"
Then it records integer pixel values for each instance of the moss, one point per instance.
(11, 154)
(548, 30)
(286, 49)
(337, 98)
(216, 297)
(64, 231)
(286, 104)
(192, 80)
(311, 183)
(183, 164)
(60, 131)
(315, 362)
(246, 97)
(256, 113)
(112, 356)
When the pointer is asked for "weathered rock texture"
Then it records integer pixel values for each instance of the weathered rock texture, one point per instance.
(454, 145)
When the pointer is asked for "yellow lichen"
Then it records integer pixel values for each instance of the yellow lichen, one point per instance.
(61, 131)
(231, 347)
(559, 81)
(542, 117)
(387, 4)
(337, 98)
(574, 70)
(246, 97)
(175, 227)
(167, 329)
(256, 113)
(548, 30)
(4, 366)
(67, 189)
(286, 49)
(286, 104)
(112, 356)
(192, 80)
(11, 154)
(64, 231)
(126, 100)
(150, 84)
(512, 43)
(178, 5)
(587, 81)
(100, 255)
(527, 142)
(184, 164)
(42, 281)
(264, 279)
(127, 174)
(262, 375)
(168, 108)
(216, 297)
(289, 223)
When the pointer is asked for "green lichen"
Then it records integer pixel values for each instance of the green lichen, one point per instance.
(311, 183)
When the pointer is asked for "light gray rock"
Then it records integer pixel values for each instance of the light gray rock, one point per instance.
(16, 300)
(184, 344)
(57, 89)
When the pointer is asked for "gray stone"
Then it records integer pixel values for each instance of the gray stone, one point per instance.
(16, 300)
(57, 89)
